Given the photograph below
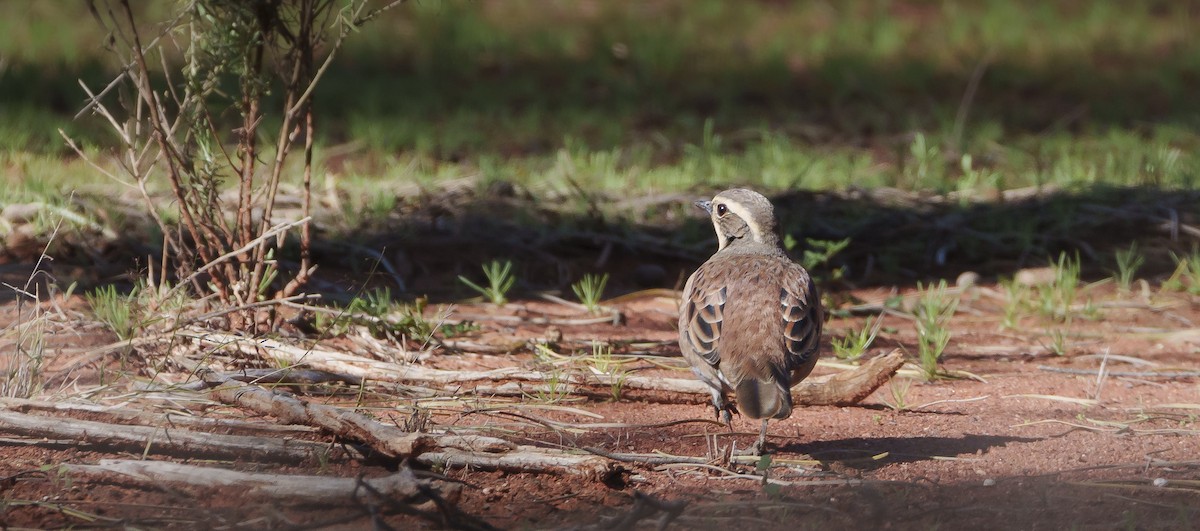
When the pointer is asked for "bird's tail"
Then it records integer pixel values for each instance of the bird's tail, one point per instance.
(763, 399)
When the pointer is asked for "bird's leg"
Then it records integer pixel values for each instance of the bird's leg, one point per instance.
(760, 447)
(721, 408)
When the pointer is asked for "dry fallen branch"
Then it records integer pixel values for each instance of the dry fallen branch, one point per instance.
(844, 388)
(402, 485)
(531, 459)
(162, 440)
(389, 440)
(173, 418)
(288, 376)
(848, 387)
(446, 450)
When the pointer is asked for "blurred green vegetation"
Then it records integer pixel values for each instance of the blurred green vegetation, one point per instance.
(647, 96)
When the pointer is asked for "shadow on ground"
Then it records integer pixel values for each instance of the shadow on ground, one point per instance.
(860, 453)
(1019, 502)
(895, 238)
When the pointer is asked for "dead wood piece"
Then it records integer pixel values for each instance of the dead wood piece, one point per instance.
(476, 451)
(161, 440)
(476, 443)
(121, 415)
(402, 485)
(524, 459)
(280, 377)
(389, 440)
(849, 387)
(841, 389)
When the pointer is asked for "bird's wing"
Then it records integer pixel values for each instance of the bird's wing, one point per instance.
(800, 306)
(702, 314)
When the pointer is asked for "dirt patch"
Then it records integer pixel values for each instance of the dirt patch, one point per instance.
(1031, 440)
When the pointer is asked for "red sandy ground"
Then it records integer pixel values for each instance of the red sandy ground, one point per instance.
(1001, 461)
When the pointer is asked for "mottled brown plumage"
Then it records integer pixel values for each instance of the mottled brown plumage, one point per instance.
(750, 322)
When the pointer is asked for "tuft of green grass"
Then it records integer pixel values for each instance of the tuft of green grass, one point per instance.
(602, 362)
(1016, 299)
(554, 387)
(855, 342)
(1056, 298)
(819, 253)
(499, 278)
(117, 310)
(1186, 276)
(590, 291)
(383, 316)
(898, 388)
(1058, 342)
(1128, 262)
(935, 307)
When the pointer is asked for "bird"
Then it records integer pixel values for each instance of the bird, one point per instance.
(750, 318)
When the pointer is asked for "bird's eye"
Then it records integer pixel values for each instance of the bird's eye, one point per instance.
(721, 209)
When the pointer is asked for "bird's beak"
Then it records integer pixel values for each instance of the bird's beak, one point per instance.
(706, 205)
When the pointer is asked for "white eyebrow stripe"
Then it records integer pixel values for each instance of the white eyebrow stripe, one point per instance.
(742, 212)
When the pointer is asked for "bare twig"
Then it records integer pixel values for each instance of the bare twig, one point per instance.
(1122, 374)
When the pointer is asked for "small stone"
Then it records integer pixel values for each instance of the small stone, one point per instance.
(967, 279)
(1035, 276)
(989, 482)
(1159, 482)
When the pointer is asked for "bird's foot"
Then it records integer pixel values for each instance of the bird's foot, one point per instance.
(724, 412)
(760, 446)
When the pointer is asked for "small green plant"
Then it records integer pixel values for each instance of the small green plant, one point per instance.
(384, 317)
(898, 388)
(1058, 342)
(458, 329)
(602, 362)
(926, 169)
(555, 387)
(855, 343)
(1015, 302)
(590, 290)
(500, 280)
(375, 303)
(602, 358)
(114, 309)
(1186, 275)
(763, 468)
(1128, 262)
(819, 253)
(1055, 299)
(934, 309)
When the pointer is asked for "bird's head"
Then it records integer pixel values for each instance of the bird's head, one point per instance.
(742, 217)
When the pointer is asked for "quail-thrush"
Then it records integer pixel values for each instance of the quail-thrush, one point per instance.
(750, 321)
